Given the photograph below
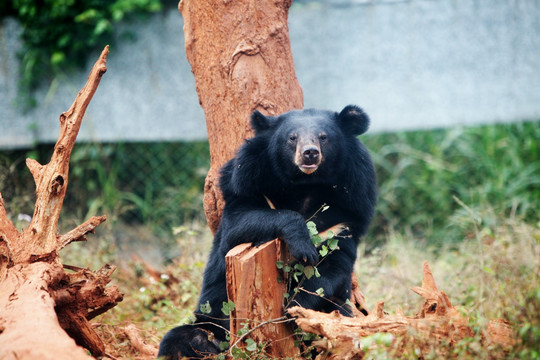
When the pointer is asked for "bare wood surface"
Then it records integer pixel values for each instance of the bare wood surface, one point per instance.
(358, 299)
(29, 324)
(253, 286)
(40, 303)
(241, 58)
(52, 179)
(80, 232)
(138, 342)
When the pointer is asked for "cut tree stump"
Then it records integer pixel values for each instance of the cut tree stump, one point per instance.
(253, 286)
(44, 310)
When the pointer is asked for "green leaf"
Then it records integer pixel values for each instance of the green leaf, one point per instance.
(280, 264)
(244, 329)
(237, 353)
(88, 15)
(251, 345)
(223, 345)
(57, 58)
(333, 244)
(102, 26)
(323, 251)
(117, 14)
(206, 308)
(316, 240)
(312, 228)
(299, 267)
(227, 307)
(309, 271)
(287, 269)
(320, 292)
(64, 40)
(306, 336)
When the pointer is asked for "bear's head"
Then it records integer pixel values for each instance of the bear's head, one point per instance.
(310, 142)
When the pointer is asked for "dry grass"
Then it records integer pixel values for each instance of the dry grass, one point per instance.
(494, 273)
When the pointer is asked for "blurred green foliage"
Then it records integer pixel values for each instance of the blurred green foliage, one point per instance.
(156, 184)
(425, 177)
(430, 182)
(159, 184)
(58, 35)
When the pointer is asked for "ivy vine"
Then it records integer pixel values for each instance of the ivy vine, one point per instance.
(58, 35)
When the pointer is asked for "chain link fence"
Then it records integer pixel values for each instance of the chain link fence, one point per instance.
(159, 184)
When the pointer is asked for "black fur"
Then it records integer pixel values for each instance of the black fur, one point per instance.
(271, 164)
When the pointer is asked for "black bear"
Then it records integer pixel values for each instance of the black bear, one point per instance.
(296, 164)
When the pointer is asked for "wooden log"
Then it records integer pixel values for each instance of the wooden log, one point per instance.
(253, 286)
(29, 327)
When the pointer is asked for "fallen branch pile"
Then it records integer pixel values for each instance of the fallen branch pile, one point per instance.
(437, 322)
(44, 310)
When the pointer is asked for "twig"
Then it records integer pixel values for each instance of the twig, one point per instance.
(80, 232)
(138, 343)
(280, 320)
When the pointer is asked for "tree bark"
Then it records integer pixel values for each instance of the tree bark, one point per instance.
(40, 304)
(241, 58)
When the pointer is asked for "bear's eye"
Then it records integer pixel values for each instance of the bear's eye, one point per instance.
(293, 137)
(323, 137)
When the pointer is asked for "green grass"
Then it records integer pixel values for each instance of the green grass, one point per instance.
(156, 184)
(424, 179)
(426, 176)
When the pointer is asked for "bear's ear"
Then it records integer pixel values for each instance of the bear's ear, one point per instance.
(260, 122)
(354, 120)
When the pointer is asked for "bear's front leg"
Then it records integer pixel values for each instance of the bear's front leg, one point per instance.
(258, 226)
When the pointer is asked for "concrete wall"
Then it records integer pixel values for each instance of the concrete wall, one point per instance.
(148, 92)
(410, 64)
(422, 64)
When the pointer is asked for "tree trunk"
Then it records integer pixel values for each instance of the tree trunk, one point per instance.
(44, 311)
(241, 58)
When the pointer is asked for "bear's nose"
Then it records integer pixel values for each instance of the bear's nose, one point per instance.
(311, 154)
